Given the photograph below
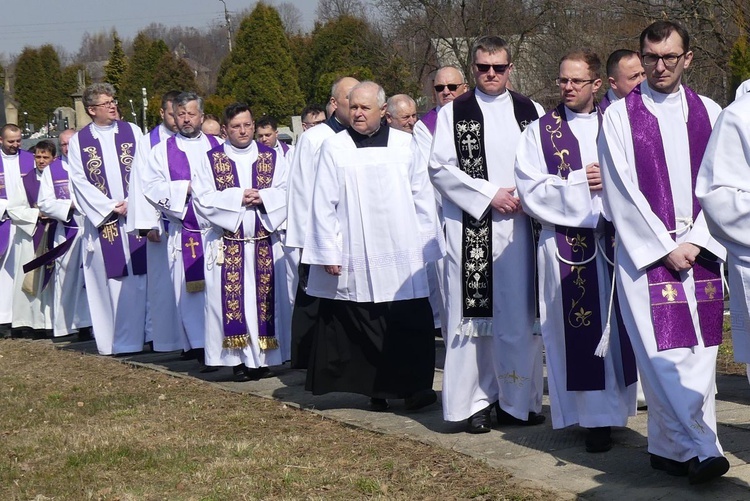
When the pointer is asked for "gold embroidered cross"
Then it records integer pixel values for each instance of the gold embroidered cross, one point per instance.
(710, 290)
(669, 292)
(192, 244)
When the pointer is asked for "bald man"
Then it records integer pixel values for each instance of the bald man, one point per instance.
(401, 113)
(299, 191)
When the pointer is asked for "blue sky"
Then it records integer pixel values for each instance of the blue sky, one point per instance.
(62, 22)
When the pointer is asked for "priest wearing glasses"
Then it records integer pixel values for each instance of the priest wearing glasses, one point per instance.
(114, 263)
(668, 264)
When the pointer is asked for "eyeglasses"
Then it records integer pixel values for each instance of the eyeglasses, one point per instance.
(451, 87)
(105, 104)
(499, 68)
(307, 125)
(577, 83)
(669, 60)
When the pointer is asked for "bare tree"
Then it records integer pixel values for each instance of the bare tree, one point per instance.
(331, 9)
(291, 17)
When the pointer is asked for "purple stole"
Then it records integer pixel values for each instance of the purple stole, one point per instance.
(44, 227)
(154, 137)
(110, 236)
(605, 102)
(25, 164)
(192, 261)
(233, 265)
(284, 147)
(476, 238)
(429, 119)
(579, 281)
(670, 313)
(62, 192)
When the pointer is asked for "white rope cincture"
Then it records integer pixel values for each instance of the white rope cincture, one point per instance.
(603, 347)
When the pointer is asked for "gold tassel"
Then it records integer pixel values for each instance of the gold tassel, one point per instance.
(235, 342)
(268, 343)
(195, 286)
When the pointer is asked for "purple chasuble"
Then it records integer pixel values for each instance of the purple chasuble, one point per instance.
(110, 237)
(233, 266)
(578, 276)
(670, 313)
(192, 241)
(429, 119)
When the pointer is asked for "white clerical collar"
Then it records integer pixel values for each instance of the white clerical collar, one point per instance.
(98, 130)
(164, 131)
(9, 157)
(659, 97)
(591, 115)
(505, 96)
(191, 139)
(612, 96)
(250, 148)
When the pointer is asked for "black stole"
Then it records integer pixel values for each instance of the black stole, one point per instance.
(476, 239)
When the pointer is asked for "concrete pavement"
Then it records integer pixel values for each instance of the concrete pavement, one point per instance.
(537, 456)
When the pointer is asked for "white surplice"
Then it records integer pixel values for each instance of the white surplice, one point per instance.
(553, 200)
(162, 318)
(117, 305)
(224, 211)
(170, 197)
(70, 308)
(723, 188)
(373, 214)
(423, 139)
(679, 383)
(30, 309)
(506, 366)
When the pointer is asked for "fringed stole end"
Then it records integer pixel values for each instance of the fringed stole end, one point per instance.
(475, 327)
(236, 342)
(268, 343)
(195, 286)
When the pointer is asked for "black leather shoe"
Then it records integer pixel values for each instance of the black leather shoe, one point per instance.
(670, 466)
(503, 418)
(708, 469)
(258, 373)
(420, 399)
(379, 405)
(480, 422)
(239, 373)
(599, 439)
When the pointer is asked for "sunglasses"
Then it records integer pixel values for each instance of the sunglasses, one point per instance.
(499, 68)
(451, 87)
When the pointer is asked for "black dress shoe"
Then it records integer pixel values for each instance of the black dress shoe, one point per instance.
(240, 374)
(708, 469)
(670, 466)
(503, 418)
(84, 334)
(480, 422)
(379, 405)
(599, 439)
(420, 399)
(258, 373)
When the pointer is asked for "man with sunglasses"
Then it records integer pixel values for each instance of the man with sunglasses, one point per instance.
(114, 263)
(668, 269)
(449, 83)
(492, 356)
(558, 179)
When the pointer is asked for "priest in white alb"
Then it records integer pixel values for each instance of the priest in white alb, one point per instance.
(558, 181)
(240, 191)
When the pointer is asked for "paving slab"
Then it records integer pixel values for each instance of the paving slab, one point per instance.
(537, 456)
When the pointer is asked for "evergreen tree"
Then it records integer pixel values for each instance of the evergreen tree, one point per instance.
(117, 64)
(39, 85)
(739, 63)
(260, 70)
